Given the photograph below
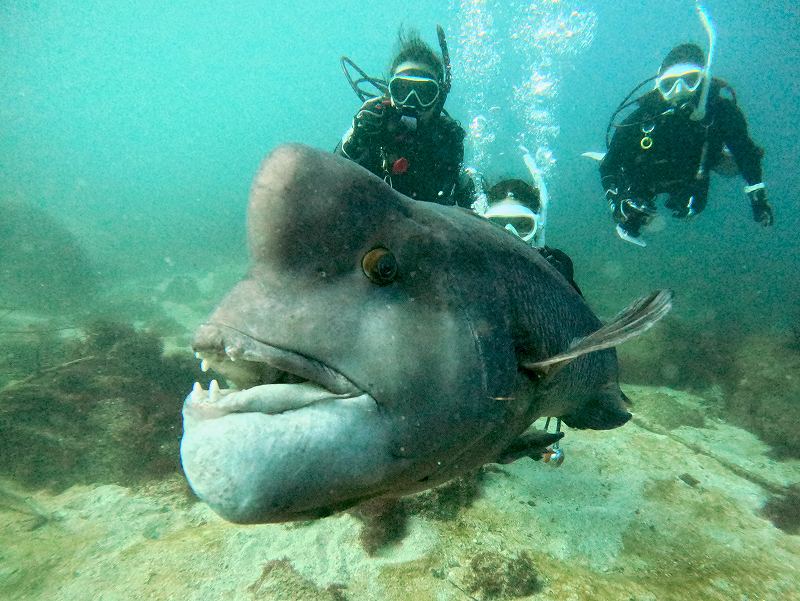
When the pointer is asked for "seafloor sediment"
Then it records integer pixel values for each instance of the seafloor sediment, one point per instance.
(669, 507)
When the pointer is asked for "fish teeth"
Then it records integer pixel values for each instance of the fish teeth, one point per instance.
(204, 365)
(213, 394)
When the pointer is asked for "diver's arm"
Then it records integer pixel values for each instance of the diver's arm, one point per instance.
(350, 147)
(354, 147)
(611, 167)
(469, 190)
(746, 153)
(338, 150)
(368, 124)
(623, 145)
(628, 212)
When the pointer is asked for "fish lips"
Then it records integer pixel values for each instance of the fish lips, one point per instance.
(299, 441)
(248, 362)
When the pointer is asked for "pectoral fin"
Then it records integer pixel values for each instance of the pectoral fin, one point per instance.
(637, 318)
(531, 444)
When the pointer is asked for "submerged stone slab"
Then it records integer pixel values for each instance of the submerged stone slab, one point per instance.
(663, 509)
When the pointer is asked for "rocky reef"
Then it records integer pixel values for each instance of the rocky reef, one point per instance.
(749, 378)
(675, 505)
(42, 264)
(696, 498)
(102, 406)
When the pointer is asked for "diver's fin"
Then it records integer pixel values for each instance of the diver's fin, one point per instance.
(637, 318)
(605, 411)
(531, 444)
(595, 156)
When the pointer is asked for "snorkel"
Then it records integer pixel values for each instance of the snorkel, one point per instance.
(544, 198)
(700, 112)
(448, 71)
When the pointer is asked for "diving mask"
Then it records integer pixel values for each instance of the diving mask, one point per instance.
(515, 217)
(679, 81)
(414, 91)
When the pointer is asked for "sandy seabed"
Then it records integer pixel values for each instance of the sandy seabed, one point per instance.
(652, 511)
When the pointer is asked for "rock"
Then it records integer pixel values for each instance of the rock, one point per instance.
(42, 265)
(668, 507)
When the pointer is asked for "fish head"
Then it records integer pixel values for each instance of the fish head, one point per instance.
(364, 351)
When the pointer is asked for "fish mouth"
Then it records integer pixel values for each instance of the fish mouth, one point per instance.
(261, 378)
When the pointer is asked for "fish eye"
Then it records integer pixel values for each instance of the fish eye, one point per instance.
(380, 266)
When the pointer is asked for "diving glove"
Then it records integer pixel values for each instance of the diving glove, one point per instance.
(682, 210)
(631, 216)
(369, 122)
(628, 237)
(762, 210)
(612, 198)
(371, 117)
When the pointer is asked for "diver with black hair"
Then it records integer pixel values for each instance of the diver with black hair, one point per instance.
(520, 208)
(403, 134)
(681, 130)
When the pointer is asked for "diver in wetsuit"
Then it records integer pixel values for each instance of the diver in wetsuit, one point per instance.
(403, 135)
(672, 142)
(517, 206)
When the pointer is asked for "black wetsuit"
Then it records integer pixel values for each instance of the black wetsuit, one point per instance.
(562, 262)
(682, 154)
(423, 164)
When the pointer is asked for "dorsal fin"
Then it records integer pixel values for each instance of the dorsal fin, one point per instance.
(637, 318)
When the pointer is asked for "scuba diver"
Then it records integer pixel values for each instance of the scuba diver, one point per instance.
(402, 133)
(520, 208)
(680, 131)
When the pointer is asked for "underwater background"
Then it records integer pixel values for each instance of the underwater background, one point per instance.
(130, 136)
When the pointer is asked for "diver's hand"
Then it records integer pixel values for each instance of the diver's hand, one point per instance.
(371, 118)
(632, 210)
(684, 211)
(762, 210)
(631, 216)
(612, 198)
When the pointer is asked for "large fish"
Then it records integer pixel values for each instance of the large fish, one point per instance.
(379, 346)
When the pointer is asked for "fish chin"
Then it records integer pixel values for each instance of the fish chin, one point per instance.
(304, 445)
(268, 467)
